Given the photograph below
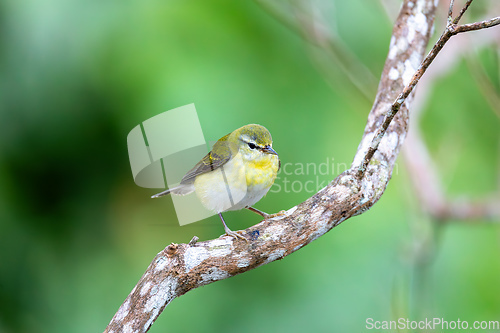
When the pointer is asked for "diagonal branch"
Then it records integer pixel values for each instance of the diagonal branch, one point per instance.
(450, 12)
(462, 11)
(180, 268)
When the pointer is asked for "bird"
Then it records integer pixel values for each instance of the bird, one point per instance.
(238, 171)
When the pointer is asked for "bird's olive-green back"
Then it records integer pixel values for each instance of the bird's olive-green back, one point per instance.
(220, 154)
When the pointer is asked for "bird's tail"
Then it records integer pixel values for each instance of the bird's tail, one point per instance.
(182, 189)
(157, 195)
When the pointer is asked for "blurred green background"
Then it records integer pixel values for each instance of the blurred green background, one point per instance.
(76, 233)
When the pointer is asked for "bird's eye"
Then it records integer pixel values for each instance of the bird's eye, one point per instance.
(252, 145)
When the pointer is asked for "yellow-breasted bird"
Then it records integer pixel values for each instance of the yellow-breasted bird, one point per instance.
(237, 173)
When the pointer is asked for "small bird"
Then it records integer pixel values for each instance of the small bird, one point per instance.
(238, 172)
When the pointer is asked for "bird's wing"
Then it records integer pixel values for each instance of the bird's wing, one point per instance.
(220, 154)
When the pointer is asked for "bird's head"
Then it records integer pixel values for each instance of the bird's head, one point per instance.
(254, 142)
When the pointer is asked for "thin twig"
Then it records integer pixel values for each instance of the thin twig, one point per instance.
(450, 12)
(476, 26)
(450, 31)
(464, 9)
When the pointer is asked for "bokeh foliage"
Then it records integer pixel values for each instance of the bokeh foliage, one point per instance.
(76, 233)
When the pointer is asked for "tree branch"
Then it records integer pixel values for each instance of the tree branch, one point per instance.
(180, 268)
(475, 26)
(462, 11)
(451, 30)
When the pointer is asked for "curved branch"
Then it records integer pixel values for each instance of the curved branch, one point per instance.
(180, 268)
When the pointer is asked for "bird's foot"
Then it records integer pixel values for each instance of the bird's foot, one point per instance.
(235, 234)
(266, 215)
(270, 216)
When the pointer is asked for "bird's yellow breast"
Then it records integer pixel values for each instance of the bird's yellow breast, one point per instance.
(262, 172)
(237, 184)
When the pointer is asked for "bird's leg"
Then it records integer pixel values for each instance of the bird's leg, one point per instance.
(261, 213)
(265, 215)
(231, 233)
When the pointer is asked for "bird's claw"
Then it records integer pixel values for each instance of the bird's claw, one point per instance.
(235, 234)
(270, 216)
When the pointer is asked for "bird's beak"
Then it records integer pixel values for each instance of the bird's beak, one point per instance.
(269, 150)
